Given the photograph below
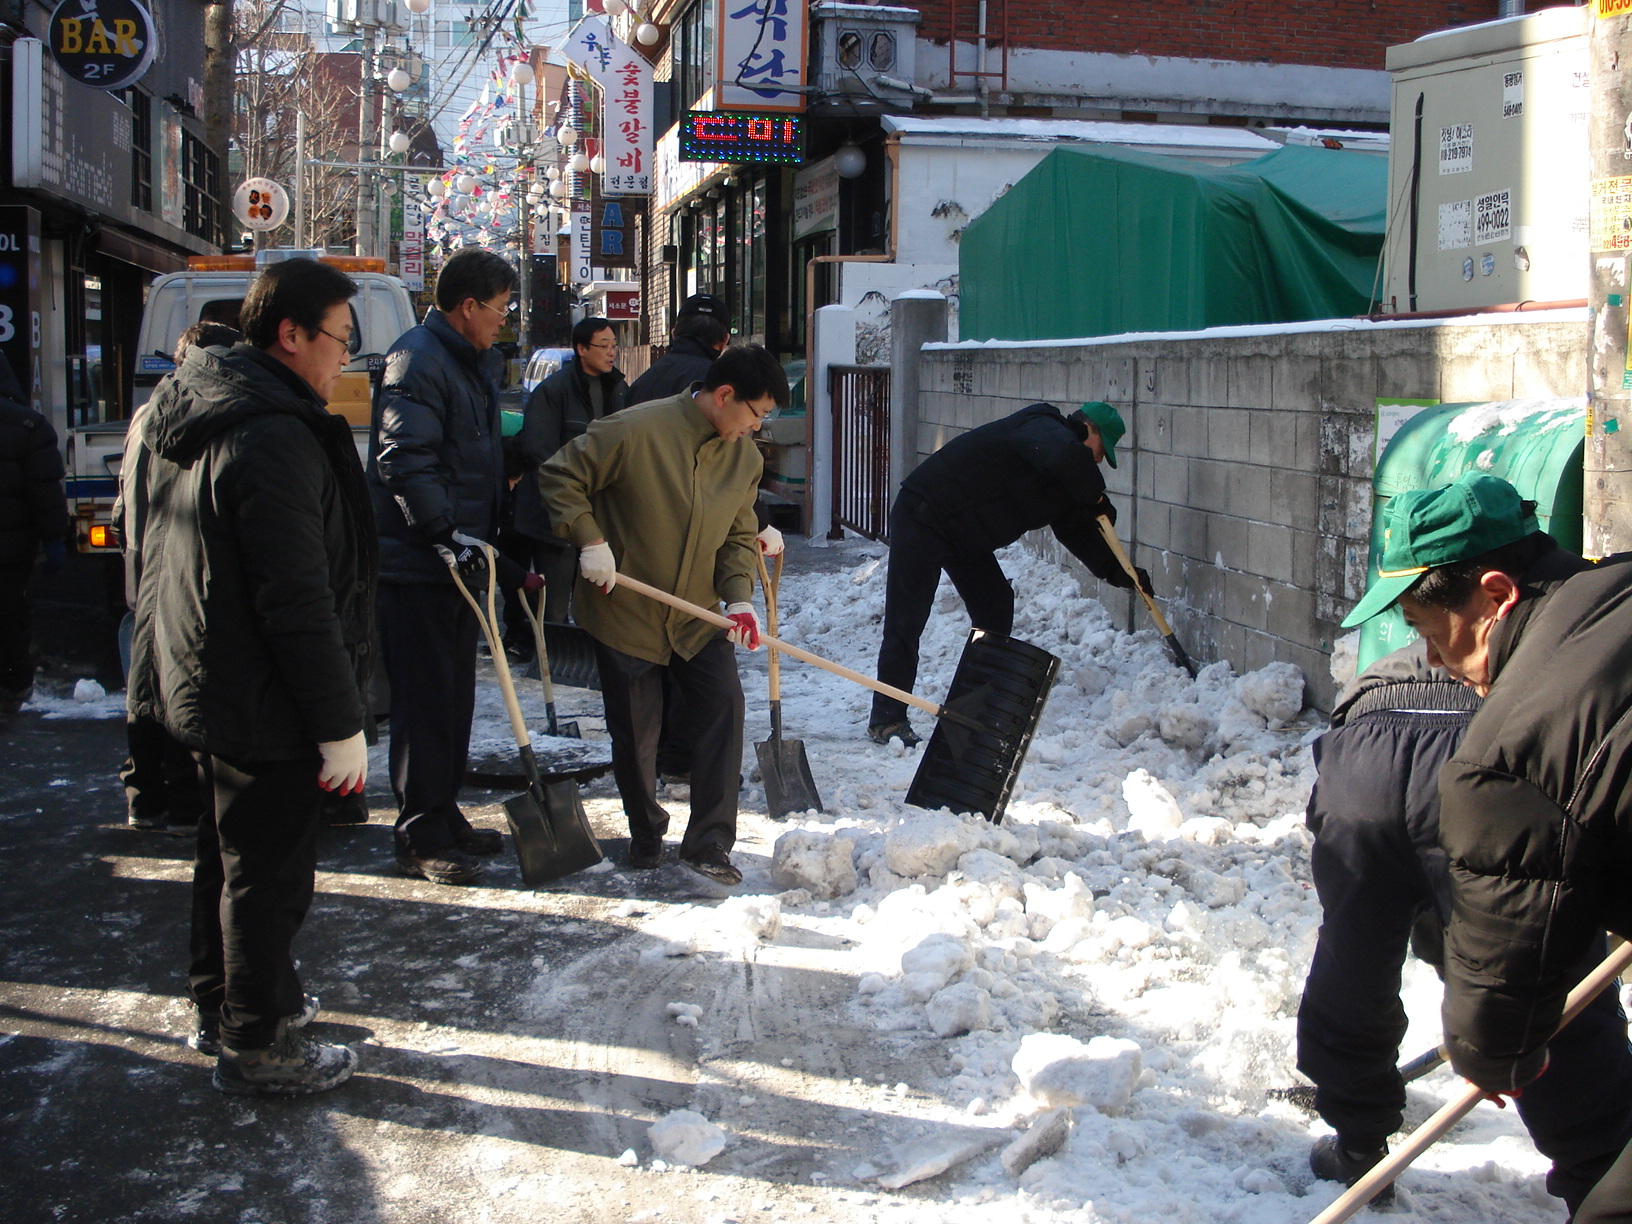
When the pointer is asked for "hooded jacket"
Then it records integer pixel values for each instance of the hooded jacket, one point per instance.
(255, 607)
(33, 510)
(436, 454)
(558, 411)
(687, 361)
(986, 488)
(1536, 816)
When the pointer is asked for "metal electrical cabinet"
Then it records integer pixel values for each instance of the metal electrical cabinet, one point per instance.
(1488, 164)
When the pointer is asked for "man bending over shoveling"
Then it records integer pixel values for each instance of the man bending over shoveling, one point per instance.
(665, 493)
(981, 491)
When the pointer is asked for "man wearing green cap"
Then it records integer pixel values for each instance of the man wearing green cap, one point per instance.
(1535, 807)
(981, 491)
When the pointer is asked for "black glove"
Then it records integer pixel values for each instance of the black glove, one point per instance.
(1143, 577)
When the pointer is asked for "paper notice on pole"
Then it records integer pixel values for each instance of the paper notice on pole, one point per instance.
(1512, 95)
(1492, 217)
(1456, 149)
(1610, 218)
(1455, 225)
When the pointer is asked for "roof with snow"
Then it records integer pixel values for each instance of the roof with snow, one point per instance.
(1177, 135)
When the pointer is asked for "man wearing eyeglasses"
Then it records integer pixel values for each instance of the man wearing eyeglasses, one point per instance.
(665, 493)
(436, 467)
(253, 621)
(585, 389)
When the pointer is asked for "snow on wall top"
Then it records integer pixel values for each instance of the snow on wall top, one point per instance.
(1103, 132)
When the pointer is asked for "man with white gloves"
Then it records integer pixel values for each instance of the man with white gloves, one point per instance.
(665, 493)
(251, 646)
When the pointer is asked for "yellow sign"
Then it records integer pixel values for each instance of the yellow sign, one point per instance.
(1614, 8)
(1611, 211)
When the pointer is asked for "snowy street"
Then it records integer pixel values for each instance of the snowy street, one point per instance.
(900, 1016)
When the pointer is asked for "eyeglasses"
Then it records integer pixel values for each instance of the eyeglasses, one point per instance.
(345, 341)
(610, 347)
(507, 309)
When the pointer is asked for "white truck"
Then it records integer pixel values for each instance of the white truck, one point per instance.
(213, 288)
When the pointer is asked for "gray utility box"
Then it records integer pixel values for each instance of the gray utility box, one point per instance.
(865, 59)
(1492, 179)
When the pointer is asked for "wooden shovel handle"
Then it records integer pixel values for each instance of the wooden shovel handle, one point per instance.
(773, 664)
(1109, 532)
(1421, 1139)
(501, 665)
(536, 620)
(804, 656)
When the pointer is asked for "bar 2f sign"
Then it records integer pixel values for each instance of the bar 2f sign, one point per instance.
(106, 44)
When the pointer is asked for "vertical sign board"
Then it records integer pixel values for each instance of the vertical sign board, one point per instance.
(612, 230)
(761, 49)
(583, 258)
(20, 297)
(625, 81)
(411, 267)
(65, 141)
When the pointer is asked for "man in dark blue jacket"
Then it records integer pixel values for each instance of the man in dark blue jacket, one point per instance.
(436, 470)
(981, 491)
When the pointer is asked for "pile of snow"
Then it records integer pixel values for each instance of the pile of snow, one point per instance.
(686, 1138)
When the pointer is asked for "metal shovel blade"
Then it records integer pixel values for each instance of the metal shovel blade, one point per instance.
(783, 767)
(551, 832)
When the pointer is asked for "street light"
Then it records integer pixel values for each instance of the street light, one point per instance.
(398, 80)
(399, 142)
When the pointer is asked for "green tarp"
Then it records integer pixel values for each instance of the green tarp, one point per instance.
(1097, 243)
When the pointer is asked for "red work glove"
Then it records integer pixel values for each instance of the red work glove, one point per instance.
(533, 583)
(746, 631)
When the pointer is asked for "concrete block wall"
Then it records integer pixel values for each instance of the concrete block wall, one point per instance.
(1244, 484)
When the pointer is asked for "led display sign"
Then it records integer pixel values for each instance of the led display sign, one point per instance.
(738, 136)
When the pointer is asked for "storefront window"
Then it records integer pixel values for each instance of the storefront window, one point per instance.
(694, 57)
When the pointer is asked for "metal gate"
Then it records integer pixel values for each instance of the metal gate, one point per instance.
(860, 396)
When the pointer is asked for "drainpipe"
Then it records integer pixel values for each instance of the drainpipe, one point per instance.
(1510, 8)
(980, 65)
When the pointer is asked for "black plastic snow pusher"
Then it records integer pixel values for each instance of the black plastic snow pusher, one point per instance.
(783, 766)
(547, 822)
(1166, 630)
(984, 728)
(545, 676)
(975, 771)
(571, 656)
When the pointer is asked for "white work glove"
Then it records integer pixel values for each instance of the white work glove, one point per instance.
(345, 765)
(745, 630)
(597, 564)
(770, 541)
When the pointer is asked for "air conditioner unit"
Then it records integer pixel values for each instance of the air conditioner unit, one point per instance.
(865, 58)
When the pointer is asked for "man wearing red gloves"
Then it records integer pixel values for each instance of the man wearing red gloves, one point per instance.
(665, 493)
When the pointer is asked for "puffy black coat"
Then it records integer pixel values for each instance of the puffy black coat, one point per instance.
(988, 487)
(255, 609)
(1536, 816)
(32, 508)
(686, 362)
(557, 411)
(435, 454)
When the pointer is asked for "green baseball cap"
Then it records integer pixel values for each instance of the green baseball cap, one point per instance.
(1431, 527)
(1108, 421)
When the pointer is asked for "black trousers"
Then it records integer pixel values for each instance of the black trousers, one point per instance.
(252, 885)
(161, 778)
(632, 690)
(918, 554)
(16, 654)
(428, 641)
(1383, 882)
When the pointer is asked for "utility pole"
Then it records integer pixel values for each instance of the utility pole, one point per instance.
(1607, 491)
(220, 80)
(368, 87)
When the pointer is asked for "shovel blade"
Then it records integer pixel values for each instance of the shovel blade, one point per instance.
(571, 656)
(789, 787)
(552, 836)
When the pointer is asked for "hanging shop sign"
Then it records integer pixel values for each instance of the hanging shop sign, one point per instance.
(106, 44)
(583, 246)
(622, 305)
(411, 265)
(625, 81)
(613, 221)
(761, 47)
(260, 204)
(735, 136)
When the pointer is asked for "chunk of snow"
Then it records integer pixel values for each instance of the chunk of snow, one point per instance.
(962, 1008)
(817, 862)
(688, 1138)
(1062, 1071)
(1275, 691)
(930, 844)
(916, 1161)
(1046, 1136)
(1152, 811)
(89, 690)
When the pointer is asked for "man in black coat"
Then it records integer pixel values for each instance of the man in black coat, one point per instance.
(1383, 886)
(586, 388)
(251, 644)
(694, 342)
(436, 472)
(981, 491)
(33, 513)
(1536, 802)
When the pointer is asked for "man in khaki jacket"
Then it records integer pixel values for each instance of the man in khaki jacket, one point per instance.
(665, 493)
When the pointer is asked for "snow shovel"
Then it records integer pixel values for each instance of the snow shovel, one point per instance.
(985, 726)
(1166, 630)
(536, 620)
(547, 822)
(789, 788)
(1452, 1112)
(1303, 1095)
(571, 656)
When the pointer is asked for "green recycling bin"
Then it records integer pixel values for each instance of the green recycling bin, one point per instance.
(1535, 445)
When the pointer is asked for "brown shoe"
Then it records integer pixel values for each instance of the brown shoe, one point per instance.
(714, 865)
(450, 866)
(483, 842)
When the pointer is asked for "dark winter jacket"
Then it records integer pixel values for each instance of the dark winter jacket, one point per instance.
(686, 362)
(435, 454)
(988, 487)
(255, 608)
(32, 508)
(558, 411)
(1536, 816)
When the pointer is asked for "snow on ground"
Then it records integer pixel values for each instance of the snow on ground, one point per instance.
(1128, 946)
